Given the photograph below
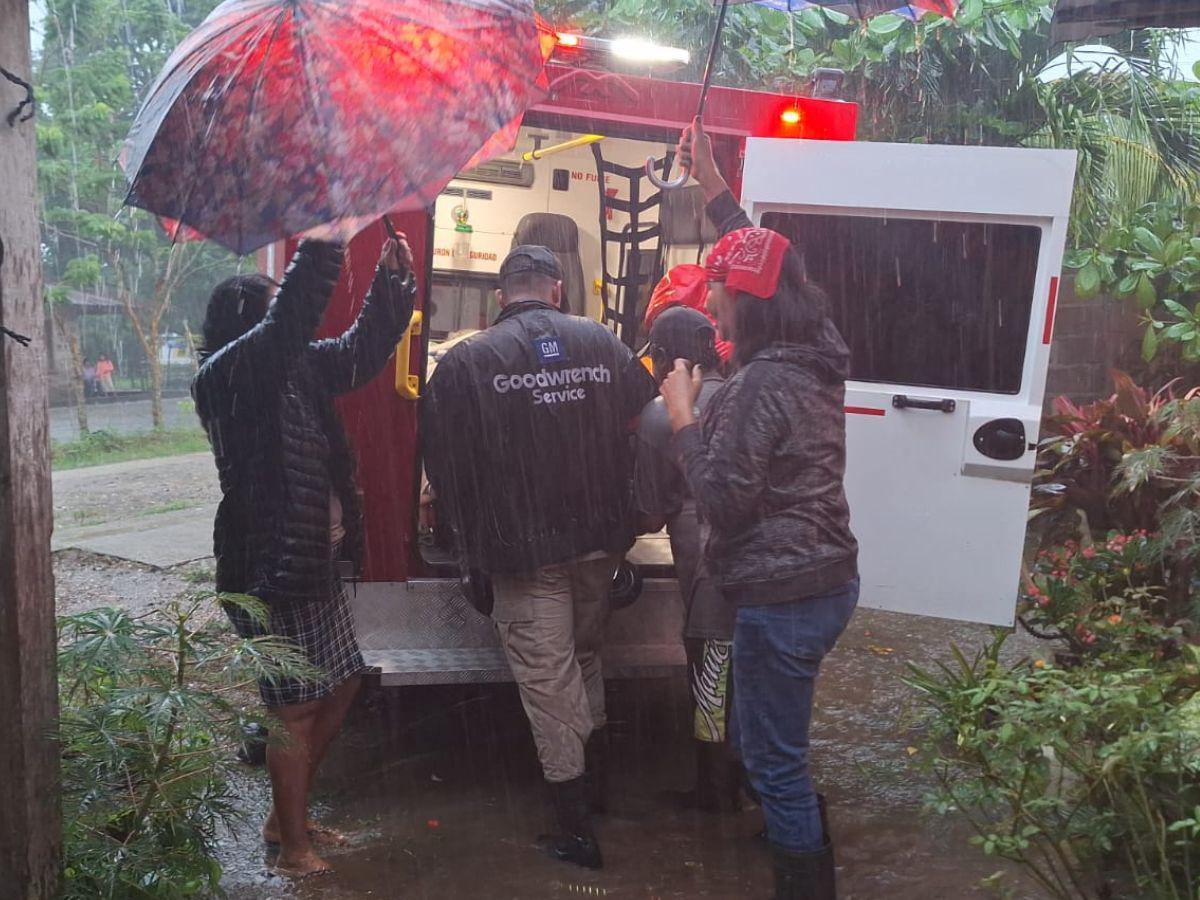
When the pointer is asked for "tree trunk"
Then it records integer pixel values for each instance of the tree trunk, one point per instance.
(156, 378)
(78, 388)
(30, 815)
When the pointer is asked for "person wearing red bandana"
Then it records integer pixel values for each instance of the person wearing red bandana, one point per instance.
(765, 462)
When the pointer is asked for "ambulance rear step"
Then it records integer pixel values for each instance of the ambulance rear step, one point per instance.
(424, 631)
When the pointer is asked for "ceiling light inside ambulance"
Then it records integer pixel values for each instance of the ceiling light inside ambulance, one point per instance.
(641, 51)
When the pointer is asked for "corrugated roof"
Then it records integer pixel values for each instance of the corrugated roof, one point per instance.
(1078, 20)
(90, 302)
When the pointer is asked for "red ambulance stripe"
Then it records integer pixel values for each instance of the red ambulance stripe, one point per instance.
(1048, 331)
(865, 411)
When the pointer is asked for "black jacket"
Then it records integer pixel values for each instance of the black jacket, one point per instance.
(766, 465)
(266, 401)
(526, 440)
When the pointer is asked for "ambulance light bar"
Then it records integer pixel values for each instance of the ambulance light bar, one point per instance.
(633, 50)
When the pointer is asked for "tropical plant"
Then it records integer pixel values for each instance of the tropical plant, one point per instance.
(1087, 776)
(1107, 599)
(1079, 461)
(150, 721)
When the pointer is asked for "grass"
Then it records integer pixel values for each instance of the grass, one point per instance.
(100, 447)
(170, 506)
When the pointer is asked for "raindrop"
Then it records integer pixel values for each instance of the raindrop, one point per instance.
(899, 280)
(935, 231)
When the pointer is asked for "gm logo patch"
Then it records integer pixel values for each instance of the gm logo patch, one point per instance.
(549, 350)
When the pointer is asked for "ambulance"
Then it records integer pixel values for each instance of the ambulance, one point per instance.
(942, 267)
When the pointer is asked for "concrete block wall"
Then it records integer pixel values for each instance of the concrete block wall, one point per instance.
(1091, 337)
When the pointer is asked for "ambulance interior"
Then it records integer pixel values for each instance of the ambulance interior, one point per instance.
(923, 301)
(551, 199)
(541, 194)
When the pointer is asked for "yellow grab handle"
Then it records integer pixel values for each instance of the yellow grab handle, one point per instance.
(408, 385)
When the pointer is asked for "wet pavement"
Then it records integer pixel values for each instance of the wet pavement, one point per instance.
(120, 417)
(442, 789)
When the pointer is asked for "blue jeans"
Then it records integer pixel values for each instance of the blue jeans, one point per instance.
(777, 651)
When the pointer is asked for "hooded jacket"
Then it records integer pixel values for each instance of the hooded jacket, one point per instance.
(266, 401)
(526, 440)
(766, 464)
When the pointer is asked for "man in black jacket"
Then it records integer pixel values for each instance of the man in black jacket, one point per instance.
(289, 508)
(526, 430)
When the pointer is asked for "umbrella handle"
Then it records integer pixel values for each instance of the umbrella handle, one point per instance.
(714, 49)
(661, 183)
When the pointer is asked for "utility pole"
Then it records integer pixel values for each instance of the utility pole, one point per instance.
(30, 817)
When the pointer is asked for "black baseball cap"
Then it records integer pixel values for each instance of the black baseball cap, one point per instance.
(531, 258)
(682, 333)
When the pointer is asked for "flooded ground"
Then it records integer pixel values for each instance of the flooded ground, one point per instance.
(441, 784)
(443, 791)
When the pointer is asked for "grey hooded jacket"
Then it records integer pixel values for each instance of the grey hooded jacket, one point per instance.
(766, 464)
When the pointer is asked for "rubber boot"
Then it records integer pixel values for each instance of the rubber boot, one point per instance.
(595, 761)
(575, 841)
(718, 782)
(804, 876)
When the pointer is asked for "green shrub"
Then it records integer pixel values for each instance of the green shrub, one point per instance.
(1088, 776)
(150, 723)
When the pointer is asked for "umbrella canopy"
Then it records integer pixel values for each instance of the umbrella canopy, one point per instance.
(1077, 20)
(862, 9)
(280, 117)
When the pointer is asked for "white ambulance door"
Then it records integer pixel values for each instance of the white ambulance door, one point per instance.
(942, 267)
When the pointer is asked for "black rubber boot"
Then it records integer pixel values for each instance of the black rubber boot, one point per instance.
(575, 842)
(804, 876)
(718, 782)
(595, 762)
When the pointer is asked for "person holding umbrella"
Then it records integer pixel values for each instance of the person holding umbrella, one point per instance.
(766, 462)
(289, 509)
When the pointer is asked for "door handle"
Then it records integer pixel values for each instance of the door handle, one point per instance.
(408, 386)
(903, 401)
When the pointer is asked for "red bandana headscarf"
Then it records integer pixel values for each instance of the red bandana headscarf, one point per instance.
(749, 261)
(685, 285)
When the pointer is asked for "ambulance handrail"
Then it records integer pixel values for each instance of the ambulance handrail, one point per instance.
(582, 140)
(408, 385)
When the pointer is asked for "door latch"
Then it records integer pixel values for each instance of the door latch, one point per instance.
(903, 401)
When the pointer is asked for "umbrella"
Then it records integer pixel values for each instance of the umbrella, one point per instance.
(858, 8)
(864, 9)
(283, 117)
(1076, 20)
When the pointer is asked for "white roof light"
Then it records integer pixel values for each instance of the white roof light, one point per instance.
(638, 50)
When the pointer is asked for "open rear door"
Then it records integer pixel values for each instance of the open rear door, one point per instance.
(942, 267)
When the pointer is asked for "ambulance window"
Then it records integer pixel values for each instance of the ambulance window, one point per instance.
(932, 304)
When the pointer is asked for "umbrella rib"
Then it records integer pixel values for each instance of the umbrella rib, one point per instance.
(164, 78)
(259, 78)
(310, 85)
(240, 243)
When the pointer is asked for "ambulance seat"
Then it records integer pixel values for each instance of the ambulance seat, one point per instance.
(683, 220)
(561, 235)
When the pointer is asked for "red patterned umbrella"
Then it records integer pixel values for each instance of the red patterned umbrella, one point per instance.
(280, 117)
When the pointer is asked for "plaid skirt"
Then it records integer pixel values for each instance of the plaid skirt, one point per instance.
(323, 630)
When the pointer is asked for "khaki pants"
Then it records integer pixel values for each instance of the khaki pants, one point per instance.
(551, 624)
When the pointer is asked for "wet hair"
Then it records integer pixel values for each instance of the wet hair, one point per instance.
(532, 284)
(237, 304)
(793, 315)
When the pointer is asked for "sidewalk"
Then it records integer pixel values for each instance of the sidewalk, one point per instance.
(158, 512)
